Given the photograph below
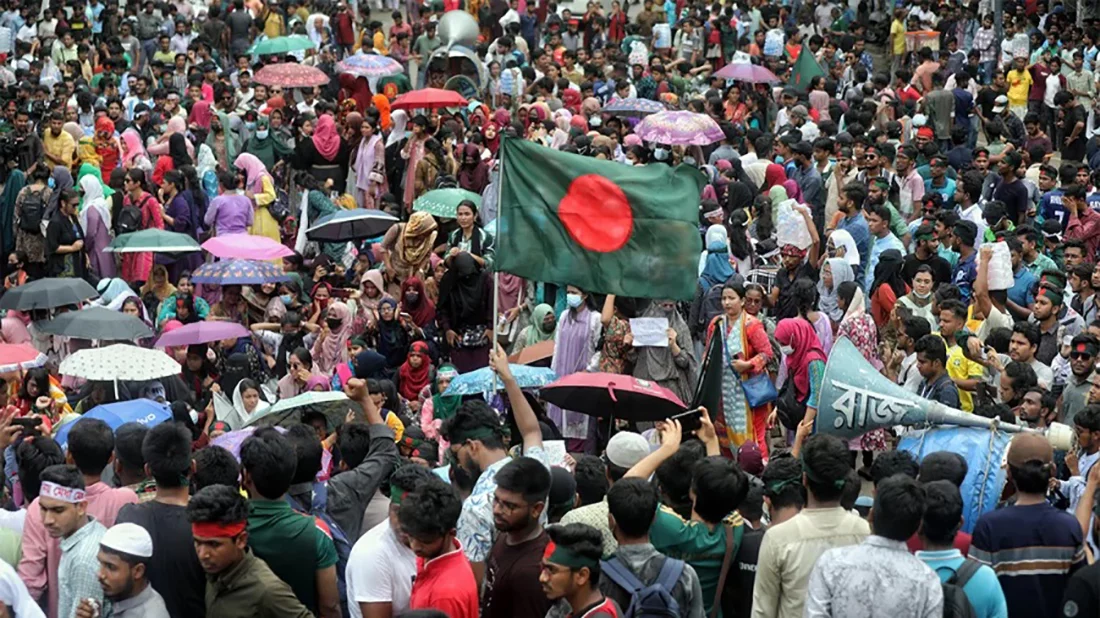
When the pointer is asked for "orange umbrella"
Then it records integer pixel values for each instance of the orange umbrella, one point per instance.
(538, 355)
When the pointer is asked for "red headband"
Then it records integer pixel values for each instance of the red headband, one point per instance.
(214, 530)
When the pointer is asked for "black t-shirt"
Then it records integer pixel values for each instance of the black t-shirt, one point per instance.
(941, 268)
(1082, 597)
(174, 570)
(1014, 195)
(786, 307)
(512, 585)
(737, 594)
(987, 98)
(1075, 151)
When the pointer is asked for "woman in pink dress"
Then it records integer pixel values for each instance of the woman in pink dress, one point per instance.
(136, 266)
(860, 329)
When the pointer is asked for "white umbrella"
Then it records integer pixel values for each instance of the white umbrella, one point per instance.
(119, 362)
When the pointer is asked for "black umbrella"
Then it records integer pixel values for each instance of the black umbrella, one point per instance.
(48, 294)
(96, 323)
(297, 410)
(348, 225)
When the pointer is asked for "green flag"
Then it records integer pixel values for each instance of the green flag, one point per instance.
(599, 225)
(804, 69)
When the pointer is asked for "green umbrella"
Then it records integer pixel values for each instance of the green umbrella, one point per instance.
(333, 405)
(282, 45)
(444, 202)
(154, 240)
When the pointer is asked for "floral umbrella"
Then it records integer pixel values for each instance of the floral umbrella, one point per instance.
(291, 75)
(481, 380)
(239, 272)
(679, 128)
(370, 65)
(634, 107)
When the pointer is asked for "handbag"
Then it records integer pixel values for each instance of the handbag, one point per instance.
(759, 389)
(788, 408)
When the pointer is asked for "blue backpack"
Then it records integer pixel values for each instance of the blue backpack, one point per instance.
(652, 601)
(319, 509)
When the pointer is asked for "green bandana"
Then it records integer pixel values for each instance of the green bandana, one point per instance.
(557, 554)
(838, 483)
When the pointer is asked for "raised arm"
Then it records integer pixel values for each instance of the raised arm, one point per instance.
(526, 420)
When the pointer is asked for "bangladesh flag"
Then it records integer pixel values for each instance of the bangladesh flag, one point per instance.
(602, 226)
(805, 68)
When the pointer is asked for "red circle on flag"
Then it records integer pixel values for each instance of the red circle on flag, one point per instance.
(596, 213)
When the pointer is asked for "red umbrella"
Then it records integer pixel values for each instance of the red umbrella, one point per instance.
(428, 98)
(291, 75)
(612, 395)
(16, 356)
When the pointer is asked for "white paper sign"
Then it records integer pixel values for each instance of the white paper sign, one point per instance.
(649, 332)
(555, 452)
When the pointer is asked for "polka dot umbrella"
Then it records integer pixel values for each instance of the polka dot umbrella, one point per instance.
(119, 362)
(291, 75)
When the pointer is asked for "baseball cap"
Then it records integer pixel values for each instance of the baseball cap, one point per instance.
(625, 449)
(999, 104)
(803, 148)
(1028, 447)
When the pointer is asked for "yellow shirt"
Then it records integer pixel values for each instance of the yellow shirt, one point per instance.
(62, 147)
(1019, 83)
(961, 368)
(897, 35)
(394, 423)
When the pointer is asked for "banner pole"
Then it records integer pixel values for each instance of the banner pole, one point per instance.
(496, 273)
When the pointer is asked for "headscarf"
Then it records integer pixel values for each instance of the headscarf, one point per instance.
(200, 115)
(104, 124)
(74, 130)
(473, 177)
(842, 238)
(87, 169)
(86, 152)
(400, 120)
(325, 137)
(800, 335)
(93, 199)
(571, 99)
(462, 289)
(269, 150)
(353, 122)
(773, 175)
(535, 332)
(590, 106)
(656, 363)
(417, 239)
(14, 184)
(357, 90)
(333, 350)
(414, 379)
(232, 139)
(162, 290)
(716, 262)
(444, 406)
(134, 147)
(370, 365)
(827, 298)
(375, 277)
(793, 190)
(393, 340)
(177, 150)
(62, 180)
(112, 291)
(253, 169)
(315, 381)
(856, 308)
(382, 104)
(423, 311)
(888, 270)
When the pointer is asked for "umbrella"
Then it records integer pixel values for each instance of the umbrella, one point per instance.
(481, 380)
(16, 356)
(333, 405)
(538, 355)
(679, 128)
(634, 107)
(355, 224)
(370, 65)
(428, 98)
(747, 72)
(232, 441)
(158, 241)
(119, 362)
(201, 332)
(241, 272)
(282, 45)
(444, 202)
(246, 247)
(612, 395)
(47, 294)
(144, 411)
(290, 75)
(96, 323)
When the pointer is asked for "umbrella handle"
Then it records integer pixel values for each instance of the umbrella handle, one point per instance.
(611, 392)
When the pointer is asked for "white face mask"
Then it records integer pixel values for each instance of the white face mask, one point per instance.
(262, 133)
(922, 296)
(574, 300)
(786, 350)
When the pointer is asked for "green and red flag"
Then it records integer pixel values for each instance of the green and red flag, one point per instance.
(805, 68)
(602, 226)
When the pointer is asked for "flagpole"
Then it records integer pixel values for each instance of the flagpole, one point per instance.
(496, 273)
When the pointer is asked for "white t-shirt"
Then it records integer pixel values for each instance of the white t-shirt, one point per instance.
(380, 570)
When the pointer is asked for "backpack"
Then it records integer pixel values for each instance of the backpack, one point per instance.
(319, 510)
(129, 218)
(955, 602)
(652, 601)
(32, 213)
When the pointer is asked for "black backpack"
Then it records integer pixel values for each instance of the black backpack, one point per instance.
(32, 213)
(129, 218)
(955, 602)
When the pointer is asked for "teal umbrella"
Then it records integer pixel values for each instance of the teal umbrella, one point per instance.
(444, 202)
(282, 45)
(153, 240)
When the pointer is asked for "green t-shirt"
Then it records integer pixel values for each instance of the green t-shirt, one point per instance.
(697, 544)
(897, 222)
(294, 545)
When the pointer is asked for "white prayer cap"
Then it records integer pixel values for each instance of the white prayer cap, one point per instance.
(129, 539)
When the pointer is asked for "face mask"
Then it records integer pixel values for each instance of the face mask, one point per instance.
(50, 183)
(412, 297)
(660, 154)
(574, 300)
(262, 133)
(786, 350)
(333, 323)
(251, 126)
(287, 299)
(922, 296)
(194, 416)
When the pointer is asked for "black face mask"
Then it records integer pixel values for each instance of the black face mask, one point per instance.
(333, 323)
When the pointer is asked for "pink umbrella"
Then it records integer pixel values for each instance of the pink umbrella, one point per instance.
(201, 332)
(16, 356)
(679, 128)
(246, 247)
(747, 72)
(612, 395)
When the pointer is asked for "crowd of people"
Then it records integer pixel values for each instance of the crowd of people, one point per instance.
(936, 206)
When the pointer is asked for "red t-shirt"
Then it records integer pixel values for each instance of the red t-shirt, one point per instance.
(446, 583)
(962, 543)
(603, 609)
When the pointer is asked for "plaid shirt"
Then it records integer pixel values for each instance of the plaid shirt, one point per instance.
(983, 42)
(78, 571)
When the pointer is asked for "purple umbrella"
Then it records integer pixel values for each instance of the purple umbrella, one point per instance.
(747, 72)
(233, 440)
(634, 107)
(201, 332)
(679, 128)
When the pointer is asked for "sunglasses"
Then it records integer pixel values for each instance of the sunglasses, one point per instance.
(1080, 355)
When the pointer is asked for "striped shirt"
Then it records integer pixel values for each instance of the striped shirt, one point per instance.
(1033, 549)
(78, 571)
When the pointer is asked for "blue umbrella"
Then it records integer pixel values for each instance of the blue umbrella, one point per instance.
(355, 224)
(481, 380)
(241, 272)
(634, 107)
(144, 411)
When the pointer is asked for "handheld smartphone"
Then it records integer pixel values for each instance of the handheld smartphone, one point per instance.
(690, 420)
(29, 424)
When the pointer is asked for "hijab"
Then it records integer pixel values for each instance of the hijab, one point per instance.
(445, 406)
(159, 290)
(393, 340)
(334, 349)
(370, 365)
(14, 184)
(253, 169)
(200, 115)
(269, 150)
(417, 239)
(62, 180)
(357, 90)
(841, 238)
(400, 120)
(422, 311)
(473, 177)
(827, 301)
(856, 306)
(414, 379)
(800, 335)
(382, 104)
(134, 147)
(177, 150)
(888, 270)
(374, 276)
(716, 263)
(93, 199)
(325, 137)
(793, 190)
(74, 130)
(535, 332)
(232, 140)
(463, 290)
